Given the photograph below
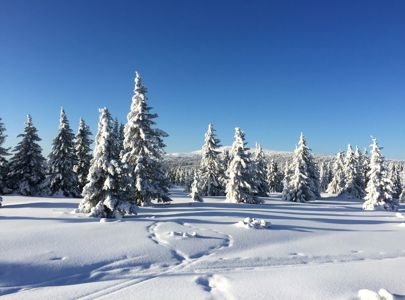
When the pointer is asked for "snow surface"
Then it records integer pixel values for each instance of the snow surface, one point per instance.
(326, 249)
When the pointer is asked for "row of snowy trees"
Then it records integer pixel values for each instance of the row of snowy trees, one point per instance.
(121, 179)
(28, 172)
(125, 170)
(239, 174)
(243, 176)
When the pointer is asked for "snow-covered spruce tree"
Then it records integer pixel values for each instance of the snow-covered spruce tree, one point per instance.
(337, 185)
(225, 161)
(353, 177)
(274, 178)
(365, 167)
(83, 154)
(210, 166)
(4, 166)
(287, 176)
(108, 192)
(360, 161)
(27, 166)
(260, 172)
(195, 188)
(379, 186)
(117, 136)
(324, 176)
(144, 149)
(396, 182)
(240, 186)
(62, 178)
(304, 182)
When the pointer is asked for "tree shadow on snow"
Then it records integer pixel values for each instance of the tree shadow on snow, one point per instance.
(42, 205)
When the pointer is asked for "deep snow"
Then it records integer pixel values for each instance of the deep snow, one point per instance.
(326, 249)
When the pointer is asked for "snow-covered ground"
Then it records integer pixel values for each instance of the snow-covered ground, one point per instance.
(327, 249)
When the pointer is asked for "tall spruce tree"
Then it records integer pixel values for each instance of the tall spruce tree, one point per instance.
(260, 172)
(337, 185)
(4, 166)
(379, 187)
(27, 166)
(108, 192)
(62, 178)
(240, 186)
(304, 182)
(353, 176)
(144, 149)
(210, 166)
(83, 154)
(274, 178)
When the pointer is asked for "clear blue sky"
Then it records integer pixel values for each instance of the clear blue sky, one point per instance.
(332, 69)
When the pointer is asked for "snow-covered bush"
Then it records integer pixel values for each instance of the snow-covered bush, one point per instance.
(254, 223)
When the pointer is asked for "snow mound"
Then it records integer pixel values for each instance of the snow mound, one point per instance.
(400, 216)
(254, 223)
(182, 234)
(382, 294)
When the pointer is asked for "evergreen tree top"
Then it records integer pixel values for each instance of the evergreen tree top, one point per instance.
(239, 142)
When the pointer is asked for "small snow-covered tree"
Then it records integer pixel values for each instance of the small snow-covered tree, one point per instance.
(4, 166)
(287, 176)
(108, 192)
(62, 178)
(365, 167)
(360, 164)
(83, 154)
(195, 189)
(337, 185)
(274, 178)
(396, 182)
(260, 172)
(302, 186)
(27, 166)
(225, 161)
(210, 166)
(324, 176)
(144, 149)
(353, 176)
(117, 136)
(379, 187)
(240, 187)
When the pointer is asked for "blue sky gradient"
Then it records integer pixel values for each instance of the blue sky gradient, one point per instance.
(332, 69)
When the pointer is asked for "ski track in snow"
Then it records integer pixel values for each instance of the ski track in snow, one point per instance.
(184, 261)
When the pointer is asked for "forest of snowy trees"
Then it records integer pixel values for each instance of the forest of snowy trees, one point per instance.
(127, 169)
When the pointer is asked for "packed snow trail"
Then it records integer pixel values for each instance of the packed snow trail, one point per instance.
(185, 257)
